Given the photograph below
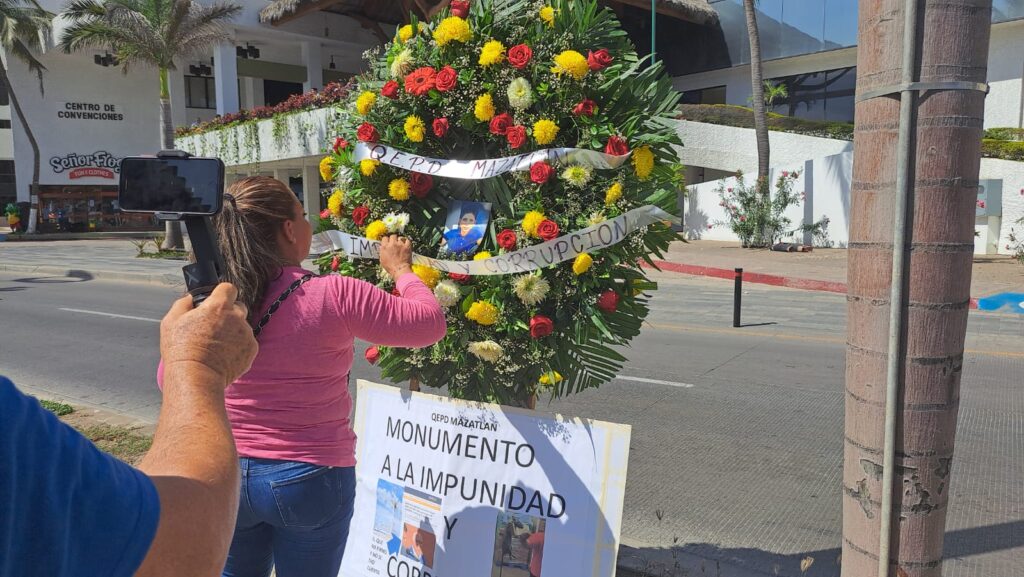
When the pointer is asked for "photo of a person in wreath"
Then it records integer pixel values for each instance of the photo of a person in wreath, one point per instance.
(465, 226)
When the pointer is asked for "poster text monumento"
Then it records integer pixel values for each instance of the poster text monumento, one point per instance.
(563, 248)
(453, 488)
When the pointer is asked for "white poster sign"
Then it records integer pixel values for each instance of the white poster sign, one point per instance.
(449, 488)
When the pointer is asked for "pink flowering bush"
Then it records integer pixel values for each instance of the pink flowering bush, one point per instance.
(755, 214)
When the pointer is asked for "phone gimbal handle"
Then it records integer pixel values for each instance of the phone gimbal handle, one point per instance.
(202, 276)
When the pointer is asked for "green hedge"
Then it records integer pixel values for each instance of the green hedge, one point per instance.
(743, 117)
(1002, 143)
(1004, 149)
(1005, 133)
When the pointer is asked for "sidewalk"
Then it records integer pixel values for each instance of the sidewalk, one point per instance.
(822, 269)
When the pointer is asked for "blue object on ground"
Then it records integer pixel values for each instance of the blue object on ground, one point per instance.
(1012, 301)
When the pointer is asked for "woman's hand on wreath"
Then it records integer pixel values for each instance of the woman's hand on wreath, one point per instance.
(396, 255)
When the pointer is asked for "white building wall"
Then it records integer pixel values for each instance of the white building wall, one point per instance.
(1004, 105)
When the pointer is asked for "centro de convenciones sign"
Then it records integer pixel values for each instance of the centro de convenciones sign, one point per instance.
(99, 164)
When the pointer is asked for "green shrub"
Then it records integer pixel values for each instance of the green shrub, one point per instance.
(59, 409)
(1005, 133)
(1003, 149)
(743, 117)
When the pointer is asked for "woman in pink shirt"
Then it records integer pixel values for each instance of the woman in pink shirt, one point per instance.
(290, 412)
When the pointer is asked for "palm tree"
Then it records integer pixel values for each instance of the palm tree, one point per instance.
(757, 99)
(24, 27)
(151, 32)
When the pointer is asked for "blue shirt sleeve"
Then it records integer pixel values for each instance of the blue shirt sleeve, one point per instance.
(66, 508)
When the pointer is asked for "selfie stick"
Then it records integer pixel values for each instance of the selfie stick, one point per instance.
(202, 276)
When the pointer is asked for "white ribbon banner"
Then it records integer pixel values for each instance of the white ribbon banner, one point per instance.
(561, 249)
(484, 168)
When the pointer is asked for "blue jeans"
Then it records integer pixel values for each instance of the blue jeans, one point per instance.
(293, 517)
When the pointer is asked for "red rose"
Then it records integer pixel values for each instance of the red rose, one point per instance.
(585, 108)
(547, 229)
(516, 136)
(616, 146)
(541, 326)
(608, 301)
(420, 184)
(519, 55)
(540, 172)
(360, 214)
(390, 89)
(501, 123)
(507, 239)
(325, 213)
(446, 79)
(367, 132)
(440, 127)
(460, 8)
(457, 277)
(340, 144)
(421, 81)
(334, 263)
(372, 355)
(599, 60)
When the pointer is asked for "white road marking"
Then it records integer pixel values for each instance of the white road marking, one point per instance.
(655, 382)
(112, 315)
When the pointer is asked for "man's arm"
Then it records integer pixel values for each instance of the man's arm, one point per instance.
(192, 462)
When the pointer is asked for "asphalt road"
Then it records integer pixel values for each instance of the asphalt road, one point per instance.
(735, 465)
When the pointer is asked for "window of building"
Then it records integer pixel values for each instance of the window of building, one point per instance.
(3, 93)
(824, 95)
(200, 92)
(276, 91)
(8, 190)
(1005, 10)
(712, 95)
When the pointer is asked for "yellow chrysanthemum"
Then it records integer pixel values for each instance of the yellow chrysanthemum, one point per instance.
(483, 312)
(547, 14)
(643, 162)
(550, 378)
(429, 276)
(398, 189)
(375, 230)
(405, 33)
(572, 63)
(482, 255)
(414, 128)
(582, 263)
(493, 52)
(368, 166)
(484, 107)
(327, 168)
(334, 202)
(613, 194)
(365, 102)
(531, 221)
(452, 29)
(545, 131)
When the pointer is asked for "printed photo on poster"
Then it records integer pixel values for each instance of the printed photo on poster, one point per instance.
(518, 545)
(418, 544)
(465, 227)
(387, 521)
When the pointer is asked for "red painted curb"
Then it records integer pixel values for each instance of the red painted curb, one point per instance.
(761, 278)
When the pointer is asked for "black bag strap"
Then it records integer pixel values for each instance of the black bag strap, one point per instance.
(277, 303)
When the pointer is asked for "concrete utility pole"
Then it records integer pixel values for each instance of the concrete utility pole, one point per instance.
(915, 176)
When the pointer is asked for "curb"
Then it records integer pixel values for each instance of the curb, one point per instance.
(165, 279)
(761, 278)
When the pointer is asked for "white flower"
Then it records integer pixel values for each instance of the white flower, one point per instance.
(402, 64)
(520, 94)
(577, 175)
(531, 289)
(596, 218)
(447, 293)
(489, 351)
(396, 222)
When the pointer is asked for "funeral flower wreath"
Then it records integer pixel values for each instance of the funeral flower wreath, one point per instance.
(492, 79)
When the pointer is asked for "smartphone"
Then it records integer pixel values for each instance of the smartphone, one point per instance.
(182, 186)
